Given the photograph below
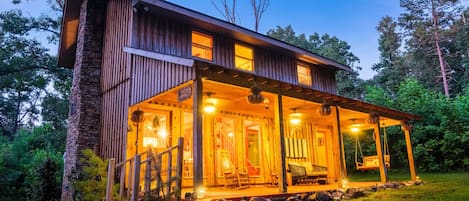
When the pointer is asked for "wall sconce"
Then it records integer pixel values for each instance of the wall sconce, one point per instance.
(209, 106)
(295, 117)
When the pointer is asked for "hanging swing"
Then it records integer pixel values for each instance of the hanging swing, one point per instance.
(371, 162)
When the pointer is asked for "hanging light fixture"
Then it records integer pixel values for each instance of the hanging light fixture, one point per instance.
(373, 118)
(255, 97)
(209, 106)
(137, 118)
(295, 117)
(355, 126)
(325, 109)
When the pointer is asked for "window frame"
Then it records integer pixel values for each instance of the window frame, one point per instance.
(235, 55)
(307, 66)
(202, 46)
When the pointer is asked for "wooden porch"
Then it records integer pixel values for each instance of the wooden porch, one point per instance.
(215, 193)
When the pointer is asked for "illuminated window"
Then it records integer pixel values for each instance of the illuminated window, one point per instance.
(244, 58)
(304, 74)
(202, 45)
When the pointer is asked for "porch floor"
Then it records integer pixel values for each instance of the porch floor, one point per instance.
(214, 193)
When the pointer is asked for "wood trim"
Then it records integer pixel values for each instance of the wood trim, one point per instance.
(158, 56)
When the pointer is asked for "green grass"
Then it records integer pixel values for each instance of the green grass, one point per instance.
(437, 186)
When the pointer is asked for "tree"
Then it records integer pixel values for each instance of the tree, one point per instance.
(258, 7)
(426, 21)
(348, 84)
(227, 11)
(391, 68)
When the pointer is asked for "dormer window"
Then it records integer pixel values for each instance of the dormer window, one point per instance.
(202, 46)
(244, 57)
(304, 74)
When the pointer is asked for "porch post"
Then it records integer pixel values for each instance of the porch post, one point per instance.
(406, 128)
(379, 151)
(280, 130)
(343, 170)
(197, 104)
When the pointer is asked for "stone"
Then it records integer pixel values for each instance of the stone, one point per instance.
(323, 196)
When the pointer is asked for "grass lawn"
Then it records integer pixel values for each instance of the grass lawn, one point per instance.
(437, 186)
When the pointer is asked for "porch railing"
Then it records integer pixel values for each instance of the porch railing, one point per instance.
(161, 181)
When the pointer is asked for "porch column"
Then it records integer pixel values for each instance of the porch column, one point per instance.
(197, 105)
(406, 128)
(278, 110)
(379, 151)
(343, 171)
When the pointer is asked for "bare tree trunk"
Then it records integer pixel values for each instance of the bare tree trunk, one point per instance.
(228, 12)
(259, 7)
(438, 50)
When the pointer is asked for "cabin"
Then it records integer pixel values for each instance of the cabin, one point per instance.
(251, 110)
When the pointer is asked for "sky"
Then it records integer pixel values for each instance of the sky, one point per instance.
(350, 21)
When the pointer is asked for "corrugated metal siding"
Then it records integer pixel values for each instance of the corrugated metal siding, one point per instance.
(166, 36)
(151, 77)
(324, 80)
(161, 35)
(115, 84)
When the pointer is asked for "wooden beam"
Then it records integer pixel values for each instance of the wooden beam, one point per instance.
(280, 129)
(110, 179)
(343, 169)
(379, 151)
(197, 135)
(158, 56)
(406, 128)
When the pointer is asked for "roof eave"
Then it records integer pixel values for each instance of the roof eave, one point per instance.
(194, 16)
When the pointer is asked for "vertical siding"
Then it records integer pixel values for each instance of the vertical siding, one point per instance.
(324, 80)
(168, 36)
(151, 77)
(160, 34)
(115, 83)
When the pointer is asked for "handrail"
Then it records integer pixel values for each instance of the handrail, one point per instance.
(164, 189)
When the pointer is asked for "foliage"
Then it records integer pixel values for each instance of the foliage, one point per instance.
(348, 83)
(438, 186)
(25, 160)
(440, 138)
(91, 184)
(33, 106)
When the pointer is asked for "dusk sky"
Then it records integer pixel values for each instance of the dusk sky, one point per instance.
(351, 21)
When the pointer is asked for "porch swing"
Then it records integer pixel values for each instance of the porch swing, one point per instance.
(371, 162)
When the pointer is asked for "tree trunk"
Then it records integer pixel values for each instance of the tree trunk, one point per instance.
(438, 50)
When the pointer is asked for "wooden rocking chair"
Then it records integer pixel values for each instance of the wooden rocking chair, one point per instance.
(236, 178)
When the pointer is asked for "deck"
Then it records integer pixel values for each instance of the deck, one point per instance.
(215, 193)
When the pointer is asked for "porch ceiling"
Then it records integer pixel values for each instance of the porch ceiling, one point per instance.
(245, 79)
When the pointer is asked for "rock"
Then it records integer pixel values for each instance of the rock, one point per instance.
(322, 196)
(337, 194)
(259, 199)
(294, 198)
(354, 193)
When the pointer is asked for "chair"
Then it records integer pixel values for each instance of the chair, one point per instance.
(234, 177)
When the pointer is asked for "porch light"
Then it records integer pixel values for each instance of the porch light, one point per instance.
(209, 107)
(355, 127)
(325, 109)
(344, 183)
(200, 192)
(295, 117)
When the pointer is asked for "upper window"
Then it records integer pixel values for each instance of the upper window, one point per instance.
(202, 45)
(244, 58)
(304, 74)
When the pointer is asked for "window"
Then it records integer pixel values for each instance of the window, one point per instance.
(202, 45)
(304, 74)
(244, 57)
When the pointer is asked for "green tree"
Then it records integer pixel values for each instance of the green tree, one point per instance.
(348, 84)
(391, 68)
(427, 24)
